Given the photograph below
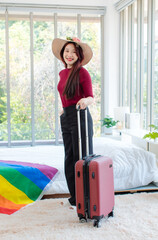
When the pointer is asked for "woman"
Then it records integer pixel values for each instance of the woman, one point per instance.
(75, 88)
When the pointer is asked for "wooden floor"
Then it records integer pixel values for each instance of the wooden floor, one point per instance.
(60, 195)
(149, 188)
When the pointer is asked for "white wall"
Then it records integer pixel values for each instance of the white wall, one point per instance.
(111, 59)
(111, 44)
(65, 2)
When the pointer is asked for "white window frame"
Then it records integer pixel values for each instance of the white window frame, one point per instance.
(10, 8)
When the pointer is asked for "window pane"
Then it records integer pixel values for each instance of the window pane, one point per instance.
(156, 67)
(145, 63)
(3, 92)
(90, 33)
(67, 27)
(43, 69)
(19, 56)
(135, 60)
(126, 40)
(44, 82)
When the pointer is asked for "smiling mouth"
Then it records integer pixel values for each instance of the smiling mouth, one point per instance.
(69, 59)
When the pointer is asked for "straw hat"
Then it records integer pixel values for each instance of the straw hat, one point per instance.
(58, 44)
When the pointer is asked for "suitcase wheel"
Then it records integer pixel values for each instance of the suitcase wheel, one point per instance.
(97, 224)
(83, 220)
(111, 214)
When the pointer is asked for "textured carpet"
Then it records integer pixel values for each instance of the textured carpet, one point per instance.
(136, 218)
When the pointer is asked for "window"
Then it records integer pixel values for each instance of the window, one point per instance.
(141, 37)
(29, 102)
(19, 77)
(135, 54)
(126, 89)
(145, 61)
(44, 83)
(91, 34)
(155, 110)
(3, 92)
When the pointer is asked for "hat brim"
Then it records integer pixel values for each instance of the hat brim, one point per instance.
(59, 43)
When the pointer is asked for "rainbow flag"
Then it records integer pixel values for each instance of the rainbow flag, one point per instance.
(22, 183)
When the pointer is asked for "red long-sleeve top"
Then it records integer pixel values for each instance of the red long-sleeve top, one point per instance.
(85, 87)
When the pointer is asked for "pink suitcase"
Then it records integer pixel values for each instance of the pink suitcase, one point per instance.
(94, 185)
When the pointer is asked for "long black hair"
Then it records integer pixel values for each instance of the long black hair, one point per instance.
(73, 79)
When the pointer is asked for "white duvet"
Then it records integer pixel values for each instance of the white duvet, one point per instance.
(133, 166)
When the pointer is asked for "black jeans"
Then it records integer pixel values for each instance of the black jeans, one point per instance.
(70, 138)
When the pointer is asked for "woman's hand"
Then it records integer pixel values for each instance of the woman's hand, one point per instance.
(61, 112)
(84, 102)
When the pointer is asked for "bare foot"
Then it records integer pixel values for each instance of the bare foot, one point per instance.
(71, 208)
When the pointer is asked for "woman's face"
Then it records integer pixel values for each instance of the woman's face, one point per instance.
(69, 55)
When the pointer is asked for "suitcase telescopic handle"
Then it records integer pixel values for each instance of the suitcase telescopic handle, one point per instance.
(79, 132)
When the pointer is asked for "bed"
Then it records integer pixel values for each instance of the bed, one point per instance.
(31, 173)
(133, 166)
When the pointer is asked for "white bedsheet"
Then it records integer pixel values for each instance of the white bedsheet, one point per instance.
(133, 167)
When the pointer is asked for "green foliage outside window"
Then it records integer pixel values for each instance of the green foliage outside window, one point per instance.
(3, 114)
(44, 86)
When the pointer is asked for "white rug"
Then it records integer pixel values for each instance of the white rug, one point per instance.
(136, 218)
